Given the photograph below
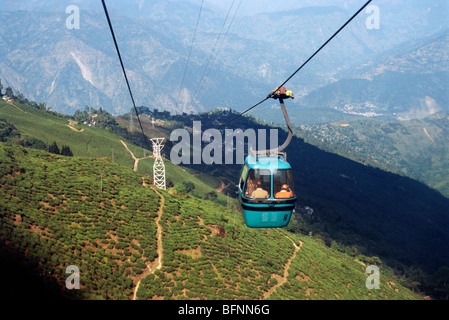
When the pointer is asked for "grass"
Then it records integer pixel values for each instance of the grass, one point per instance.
(55, 212)
(96, 143)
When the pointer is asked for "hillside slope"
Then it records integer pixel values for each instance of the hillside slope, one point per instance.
(56, 212)
(93, 142)
(414, 148)
(384, 214)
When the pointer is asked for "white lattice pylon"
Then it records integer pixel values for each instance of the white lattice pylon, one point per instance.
(158, 167)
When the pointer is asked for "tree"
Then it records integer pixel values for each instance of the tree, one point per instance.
(210, 195)
(1, 87)
(181, 189)
(169, 183)
(42, 106)
(32, 142)
(9, 92)
(65, 151)
(53, 148)
(21, 97)
(7, 131)
(189, 186)
(442, 278)
(351, 251)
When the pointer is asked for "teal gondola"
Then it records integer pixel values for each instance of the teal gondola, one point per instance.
(266, 187)
(267, 205)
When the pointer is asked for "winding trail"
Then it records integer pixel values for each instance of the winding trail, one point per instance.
(71, 126)
(136, 160)
(11, 103)
(156, 264)
(283, 279)
(222, 186)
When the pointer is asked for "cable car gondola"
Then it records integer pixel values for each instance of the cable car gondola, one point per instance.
(266, 187)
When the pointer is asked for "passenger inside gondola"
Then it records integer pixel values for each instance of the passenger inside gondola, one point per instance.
(285, 193)
(250, 184)
(260, 193)
(258, 184)
(283, 185)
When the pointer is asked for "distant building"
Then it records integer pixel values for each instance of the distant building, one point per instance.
(91, 120)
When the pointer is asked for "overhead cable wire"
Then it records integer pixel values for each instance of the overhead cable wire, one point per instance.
(310, 58)
(123, 67)
(190, 51)
(241, 114)
(213, 50)
(324, 44)
(224, 38)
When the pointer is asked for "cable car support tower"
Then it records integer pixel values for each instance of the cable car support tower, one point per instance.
(158, 167)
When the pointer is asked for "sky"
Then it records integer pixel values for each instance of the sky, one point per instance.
(246, 7)
(251, 7)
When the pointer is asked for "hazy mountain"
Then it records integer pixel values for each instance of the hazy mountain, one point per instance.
(237, 52)
(69, 68)
(407, 82)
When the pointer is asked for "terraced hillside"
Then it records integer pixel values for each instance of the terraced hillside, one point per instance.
(95, 142)
(130, 241)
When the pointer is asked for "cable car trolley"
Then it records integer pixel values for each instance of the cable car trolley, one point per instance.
(266, 187)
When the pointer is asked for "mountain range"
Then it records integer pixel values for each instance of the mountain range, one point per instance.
(408, 83)
(233, 52)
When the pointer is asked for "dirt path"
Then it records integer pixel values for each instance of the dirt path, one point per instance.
(15, 106)
(157, 264)
(222, 186)
(283, 279)
(71, 126)
(136, 160)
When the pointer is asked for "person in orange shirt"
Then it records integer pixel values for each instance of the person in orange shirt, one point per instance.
(284, 193)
